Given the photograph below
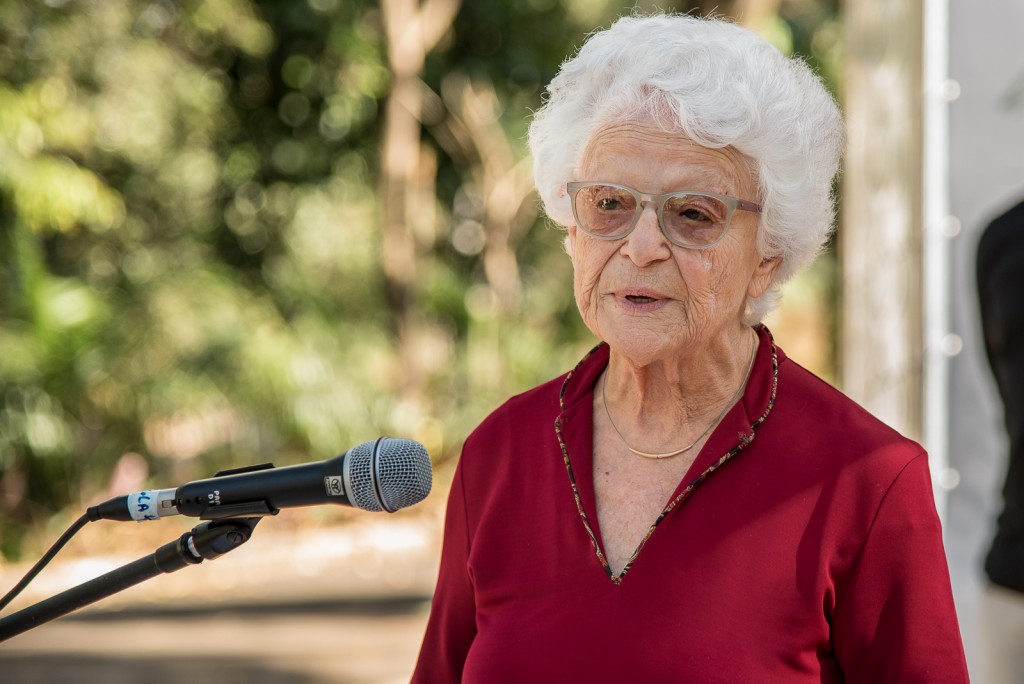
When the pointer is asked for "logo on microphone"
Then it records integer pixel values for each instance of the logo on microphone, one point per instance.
(334, 485)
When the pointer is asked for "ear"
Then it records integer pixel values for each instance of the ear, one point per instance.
(763, 276)
(570, 240)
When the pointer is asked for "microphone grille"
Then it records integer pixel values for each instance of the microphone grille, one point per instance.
(388, 474)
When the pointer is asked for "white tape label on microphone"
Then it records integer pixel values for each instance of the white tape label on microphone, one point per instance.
(142, 506)
(334, 485)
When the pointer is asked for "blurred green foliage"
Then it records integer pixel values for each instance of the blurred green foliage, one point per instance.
(192, 265)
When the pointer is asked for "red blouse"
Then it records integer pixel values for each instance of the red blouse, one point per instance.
(802, 546)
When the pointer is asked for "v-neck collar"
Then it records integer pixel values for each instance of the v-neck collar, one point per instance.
(574, 428)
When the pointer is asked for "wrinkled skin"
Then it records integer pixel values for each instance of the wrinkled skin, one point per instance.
(673, 318)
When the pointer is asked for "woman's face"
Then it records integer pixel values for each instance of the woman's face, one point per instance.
(646, 297)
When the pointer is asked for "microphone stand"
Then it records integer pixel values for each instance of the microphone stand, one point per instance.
(204, 542)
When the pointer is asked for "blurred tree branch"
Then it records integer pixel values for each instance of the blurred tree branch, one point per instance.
(239, 230)
(412, 29)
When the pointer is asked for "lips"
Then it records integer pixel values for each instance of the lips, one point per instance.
(640, 296)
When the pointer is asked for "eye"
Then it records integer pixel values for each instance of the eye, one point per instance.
(695, 208)
(609, 199)
(694, 214)
(694, 219)
(604, 210)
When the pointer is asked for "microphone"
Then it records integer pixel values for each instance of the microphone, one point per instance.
(383, 475)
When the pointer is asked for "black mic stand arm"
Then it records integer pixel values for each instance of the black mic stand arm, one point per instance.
(204, 542)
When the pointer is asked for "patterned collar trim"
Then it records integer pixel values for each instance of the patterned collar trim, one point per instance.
(745, 439)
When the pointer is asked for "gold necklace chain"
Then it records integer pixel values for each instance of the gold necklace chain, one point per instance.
(731, 402)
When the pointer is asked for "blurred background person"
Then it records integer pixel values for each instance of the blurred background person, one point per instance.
(1000, 274)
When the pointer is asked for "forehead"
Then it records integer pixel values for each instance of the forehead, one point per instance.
(655, 160)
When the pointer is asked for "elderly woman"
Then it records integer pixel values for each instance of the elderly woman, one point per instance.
(688, 504)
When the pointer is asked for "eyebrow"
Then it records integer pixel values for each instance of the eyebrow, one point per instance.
(708, 181)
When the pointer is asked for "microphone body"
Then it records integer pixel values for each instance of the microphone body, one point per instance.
(384, 475)
(305, 484)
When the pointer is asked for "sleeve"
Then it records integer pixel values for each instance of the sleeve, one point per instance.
(451, 627)
(895, 621)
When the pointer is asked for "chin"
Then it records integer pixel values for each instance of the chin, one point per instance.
(642, 347)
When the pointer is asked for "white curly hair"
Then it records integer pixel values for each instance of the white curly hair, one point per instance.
(720, 85)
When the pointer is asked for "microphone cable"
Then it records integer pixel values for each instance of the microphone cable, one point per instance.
(45, 560)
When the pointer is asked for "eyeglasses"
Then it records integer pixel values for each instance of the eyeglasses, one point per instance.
(694, 220)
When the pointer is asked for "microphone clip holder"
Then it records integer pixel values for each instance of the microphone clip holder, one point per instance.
(206, 541)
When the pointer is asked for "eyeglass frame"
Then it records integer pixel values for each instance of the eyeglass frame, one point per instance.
(731, 205)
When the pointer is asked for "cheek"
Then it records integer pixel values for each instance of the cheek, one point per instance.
(705, 262)
(713, 279)
(586, 272)
(588, 263)
(702, 271)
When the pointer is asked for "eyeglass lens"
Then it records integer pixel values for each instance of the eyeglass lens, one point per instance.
(687, 218)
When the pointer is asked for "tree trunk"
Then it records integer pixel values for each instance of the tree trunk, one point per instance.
(882, 340)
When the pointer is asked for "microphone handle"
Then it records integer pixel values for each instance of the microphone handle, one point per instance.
(265, 491)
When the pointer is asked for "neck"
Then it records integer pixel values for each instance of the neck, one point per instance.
(661, 407)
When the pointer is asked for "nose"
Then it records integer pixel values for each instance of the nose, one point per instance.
(646, 243)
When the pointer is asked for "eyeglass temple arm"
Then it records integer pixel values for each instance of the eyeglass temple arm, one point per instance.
(748, 206)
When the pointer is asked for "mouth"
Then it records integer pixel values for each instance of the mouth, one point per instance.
(640, 295)
(641, 299)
